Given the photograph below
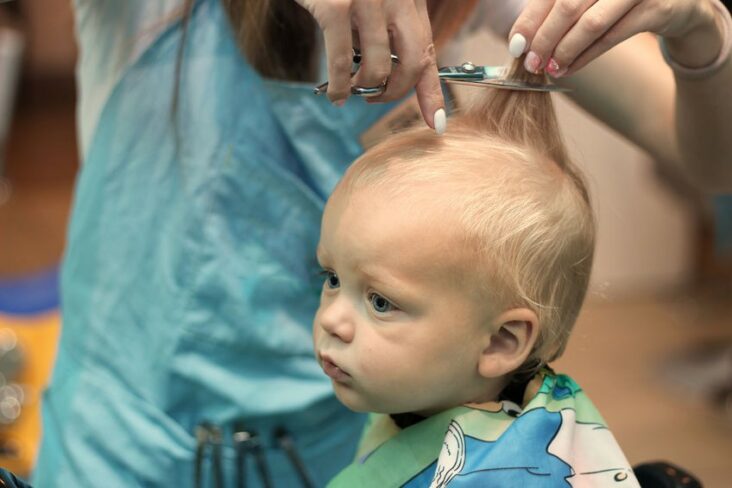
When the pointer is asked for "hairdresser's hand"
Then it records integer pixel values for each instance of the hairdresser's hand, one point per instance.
(378, 28)
(562, 36)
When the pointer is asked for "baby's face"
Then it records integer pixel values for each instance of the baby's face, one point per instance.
(399, 327)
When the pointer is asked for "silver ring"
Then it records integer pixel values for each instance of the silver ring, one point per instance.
(369, 92)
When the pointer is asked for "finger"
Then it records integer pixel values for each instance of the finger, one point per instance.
(336, 28)
(525, 27)
(560, 19)
(593, 24)
(429, 93)
(409, 39)
(628, 26)
(370, 21)
(420, 74)
(428, 89)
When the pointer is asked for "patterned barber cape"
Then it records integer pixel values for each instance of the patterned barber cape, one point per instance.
(558, 439)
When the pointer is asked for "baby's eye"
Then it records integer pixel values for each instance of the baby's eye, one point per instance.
(381, 304)
(331, 280)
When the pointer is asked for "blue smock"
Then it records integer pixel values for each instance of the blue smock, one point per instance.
(190, 283)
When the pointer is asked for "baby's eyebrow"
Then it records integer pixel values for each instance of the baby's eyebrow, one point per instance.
(379, 276)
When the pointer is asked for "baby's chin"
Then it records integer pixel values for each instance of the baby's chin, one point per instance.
(359, 403)
(352, 400)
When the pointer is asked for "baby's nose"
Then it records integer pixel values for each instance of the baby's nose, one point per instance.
(336, 318)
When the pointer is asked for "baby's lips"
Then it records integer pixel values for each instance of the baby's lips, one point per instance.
(332, 369)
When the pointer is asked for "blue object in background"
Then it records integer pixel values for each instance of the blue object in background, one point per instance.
(30, 294)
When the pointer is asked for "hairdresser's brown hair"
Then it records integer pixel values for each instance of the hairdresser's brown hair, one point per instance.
(521, 203)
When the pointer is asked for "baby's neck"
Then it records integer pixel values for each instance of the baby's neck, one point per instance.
(511, 391)
(490, 391)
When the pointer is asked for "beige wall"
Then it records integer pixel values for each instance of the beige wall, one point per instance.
(645, 232)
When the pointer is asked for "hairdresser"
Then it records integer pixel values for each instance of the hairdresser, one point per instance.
(189, 281)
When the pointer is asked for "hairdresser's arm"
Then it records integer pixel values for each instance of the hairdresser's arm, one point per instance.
(684, 123)
(687, 123)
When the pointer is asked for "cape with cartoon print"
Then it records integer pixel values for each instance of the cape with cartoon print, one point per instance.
(558, 439)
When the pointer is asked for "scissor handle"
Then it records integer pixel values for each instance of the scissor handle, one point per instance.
(360, 91)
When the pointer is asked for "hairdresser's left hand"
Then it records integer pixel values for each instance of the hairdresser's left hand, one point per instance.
(562, 36)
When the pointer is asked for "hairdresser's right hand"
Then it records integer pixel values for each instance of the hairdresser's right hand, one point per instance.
(378, 28)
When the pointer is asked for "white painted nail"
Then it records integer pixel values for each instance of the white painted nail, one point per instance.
(440, 121)
(517, 45)
(532, 63)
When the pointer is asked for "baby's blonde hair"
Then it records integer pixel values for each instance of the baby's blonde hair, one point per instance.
(503, 170)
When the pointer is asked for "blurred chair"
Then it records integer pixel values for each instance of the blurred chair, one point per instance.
(660, 474)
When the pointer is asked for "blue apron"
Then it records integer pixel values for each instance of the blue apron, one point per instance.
(190, 282)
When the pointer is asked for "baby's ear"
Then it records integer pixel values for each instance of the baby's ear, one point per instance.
(509, 345)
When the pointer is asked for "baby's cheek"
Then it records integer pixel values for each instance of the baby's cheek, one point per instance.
(372, 363)
(385, 370)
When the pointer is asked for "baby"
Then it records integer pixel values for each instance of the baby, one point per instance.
(455, 268)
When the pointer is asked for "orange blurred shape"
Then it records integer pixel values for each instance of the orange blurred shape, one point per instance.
(35, 337)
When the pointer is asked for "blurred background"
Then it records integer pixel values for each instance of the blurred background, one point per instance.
(653, 347)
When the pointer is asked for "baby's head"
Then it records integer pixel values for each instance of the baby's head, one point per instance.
(453, 263)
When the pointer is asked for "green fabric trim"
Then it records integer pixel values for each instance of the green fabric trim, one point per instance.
(402, 457)
(379, 428)
(576, 399)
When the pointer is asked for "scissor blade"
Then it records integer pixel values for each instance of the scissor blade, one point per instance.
(469, 71)
(508, 85)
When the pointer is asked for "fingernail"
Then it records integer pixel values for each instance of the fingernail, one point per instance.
(517, 45)
(553, 68)
(532, 62)
(440, 121)
(339, 103)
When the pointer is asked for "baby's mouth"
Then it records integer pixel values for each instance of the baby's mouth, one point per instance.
(333, 370)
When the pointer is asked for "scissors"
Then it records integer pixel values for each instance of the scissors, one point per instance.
(465, 74)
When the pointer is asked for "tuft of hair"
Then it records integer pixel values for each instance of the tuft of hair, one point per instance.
(526, 118)
(522, 205)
